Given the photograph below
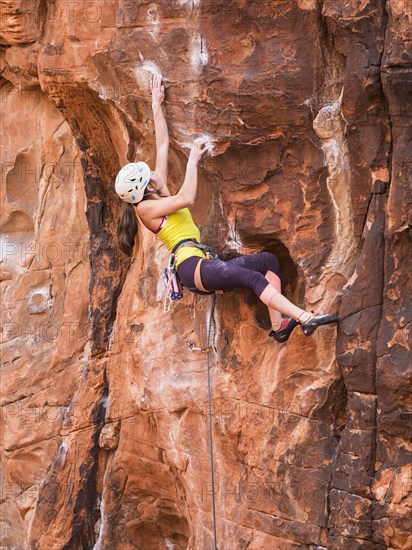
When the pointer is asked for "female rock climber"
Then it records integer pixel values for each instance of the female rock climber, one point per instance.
(145, 192)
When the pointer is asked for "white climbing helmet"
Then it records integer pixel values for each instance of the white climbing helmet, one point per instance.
(131, 181)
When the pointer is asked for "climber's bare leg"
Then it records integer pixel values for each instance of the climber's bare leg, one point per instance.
(309, 321)
(275, 300)
(274, 314)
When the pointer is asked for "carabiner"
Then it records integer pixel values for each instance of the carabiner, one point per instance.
(172, 261)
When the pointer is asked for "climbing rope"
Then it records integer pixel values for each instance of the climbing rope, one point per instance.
(209, 396)
(209, 330)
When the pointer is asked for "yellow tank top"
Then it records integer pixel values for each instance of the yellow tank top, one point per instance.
(180, 226)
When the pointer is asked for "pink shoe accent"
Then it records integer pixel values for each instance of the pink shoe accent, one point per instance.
(285, 323)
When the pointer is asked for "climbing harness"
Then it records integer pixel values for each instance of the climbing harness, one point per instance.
(210, 255)
(171, 280)
(207, 350)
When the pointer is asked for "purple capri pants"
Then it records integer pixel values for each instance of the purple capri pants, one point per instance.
(243, 272)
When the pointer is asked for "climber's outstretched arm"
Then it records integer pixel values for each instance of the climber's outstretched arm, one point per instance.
(153, 209)
(161, 131)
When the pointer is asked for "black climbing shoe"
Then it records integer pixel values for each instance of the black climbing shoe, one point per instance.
(315, 320)
(285, 330)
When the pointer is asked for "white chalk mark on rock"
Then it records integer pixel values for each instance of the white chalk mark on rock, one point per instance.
(199, 57)
(39, 300)
(329, 128)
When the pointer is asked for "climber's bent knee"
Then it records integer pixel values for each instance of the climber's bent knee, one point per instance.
(272, 262)
(268, 294)
(274, 280)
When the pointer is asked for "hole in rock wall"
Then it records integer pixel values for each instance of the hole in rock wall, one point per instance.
(17, 232)
(17, 222)
(293, 285)
(16, 236)
(180, 412)
(165, 530)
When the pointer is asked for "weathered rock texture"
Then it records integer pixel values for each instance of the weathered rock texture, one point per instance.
(104, 407)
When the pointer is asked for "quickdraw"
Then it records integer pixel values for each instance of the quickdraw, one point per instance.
(173, 286)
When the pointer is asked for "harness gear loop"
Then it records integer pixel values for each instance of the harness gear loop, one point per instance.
(172, 283)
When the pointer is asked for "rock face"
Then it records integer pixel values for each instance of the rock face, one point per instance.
(105, 424)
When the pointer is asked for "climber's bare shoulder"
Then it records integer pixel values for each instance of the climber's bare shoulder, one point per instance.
(152, 211)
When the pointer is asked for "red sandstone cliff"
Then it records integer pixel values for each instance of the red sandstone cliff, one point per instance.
(104, 413)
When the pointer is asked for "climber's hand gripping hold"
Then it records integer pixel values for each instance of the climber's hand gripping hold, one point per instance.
(199, 148)
(158, 90)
